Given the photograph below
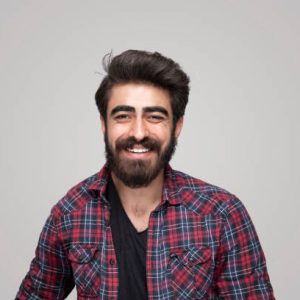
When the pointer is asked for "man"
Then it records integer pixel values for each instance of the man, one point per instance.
(138, 229)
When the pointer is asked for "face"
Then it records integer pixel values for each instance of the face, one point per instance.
(140, 137)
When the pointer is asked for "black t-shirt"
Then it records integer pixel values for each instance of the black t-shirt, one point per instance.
(130, 246)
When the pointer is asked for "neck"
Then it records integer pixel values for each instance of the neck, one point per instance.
(140, 201)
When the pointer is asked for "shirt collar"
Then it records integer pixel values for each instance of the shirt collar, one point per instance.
(171, 191)
(100, 182)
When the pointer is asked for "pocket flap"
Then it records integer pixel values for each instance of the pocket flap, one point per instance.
(81, 253)
(192, 256)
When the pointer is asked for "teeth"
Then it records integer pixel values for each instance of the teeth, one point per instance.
(138, 150)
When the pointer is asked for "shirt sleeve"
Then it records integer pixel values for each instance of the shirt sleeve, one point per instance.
(50, 275)
(242, 270)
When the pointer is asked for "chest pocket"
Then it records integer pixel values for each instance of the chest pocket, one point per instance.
(190, 272)
(85, 261)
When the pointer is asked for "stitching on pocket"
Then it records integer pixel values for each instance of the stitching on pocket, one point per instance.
(81, 254)
(190, 271)
(85, 269)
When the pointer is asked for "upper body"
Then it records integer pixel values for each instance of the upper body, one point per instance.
(201, 243)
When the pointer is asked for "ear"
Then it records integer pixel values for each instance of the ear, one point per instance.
(178, 127)
(103, 126)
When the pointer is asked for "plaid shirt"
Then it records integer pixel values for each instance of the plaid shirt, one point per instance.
(201, 245)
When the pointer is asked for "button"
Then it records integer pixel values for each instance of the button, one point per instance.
(111, 262)
(82, 256)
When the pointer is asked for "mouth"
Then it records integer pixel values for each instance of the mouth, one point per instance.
(138, 150)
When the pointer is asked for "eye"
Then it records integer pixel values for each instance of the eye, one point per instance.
(156, 118)
(122, 117)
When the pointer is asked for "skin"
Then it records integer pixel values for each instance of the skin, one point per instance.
(140, 110)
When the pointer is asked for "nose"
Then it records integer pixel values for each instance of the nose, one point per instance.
(139, 129)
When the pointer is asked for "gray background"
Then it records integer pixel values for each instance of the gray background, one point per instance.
(241, 129)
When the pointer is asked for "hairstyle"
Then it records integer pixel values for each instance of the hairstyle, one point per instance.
(144, 67)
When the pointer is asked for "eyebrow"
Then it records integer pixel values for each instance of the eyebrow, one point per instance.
(147, 109)
(160, 109)
(119, 108)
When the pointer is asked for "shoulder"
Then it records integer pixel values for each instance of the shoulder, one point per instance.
(204, 198)
(82, 194)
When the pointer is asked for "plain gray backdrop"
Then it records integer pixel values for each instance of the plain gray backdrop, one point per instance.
(241, 127)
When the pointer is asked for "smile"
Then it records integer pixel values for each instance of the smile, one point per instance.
(138, 150)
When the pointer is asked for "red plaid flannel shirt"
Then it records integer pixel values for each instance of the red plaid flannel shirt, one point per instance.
(201, 245)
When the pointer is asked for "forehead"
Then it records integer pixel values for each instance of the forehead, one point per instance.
(139, 96)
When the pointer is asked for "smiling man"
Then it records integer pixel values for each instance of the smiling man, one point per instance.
(139, 229)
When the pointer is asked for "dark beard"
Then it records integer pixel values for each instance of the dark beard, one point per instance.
(138, 173)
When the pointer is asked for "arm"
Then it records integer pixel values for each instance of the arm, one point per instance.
(242, 271)
(50, 275)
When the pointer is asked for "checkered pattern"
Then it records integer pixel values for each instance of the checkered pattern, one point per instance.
(201, 245)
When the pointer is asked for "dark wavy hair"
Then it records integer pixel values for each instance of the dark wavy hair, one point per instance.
(144, 67)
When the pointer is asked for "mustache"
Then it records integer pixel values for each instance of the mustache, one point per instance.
(146, 142)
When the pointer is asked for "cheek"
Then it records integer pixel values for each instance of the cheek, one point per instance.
(116, 133)
(165, 138)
